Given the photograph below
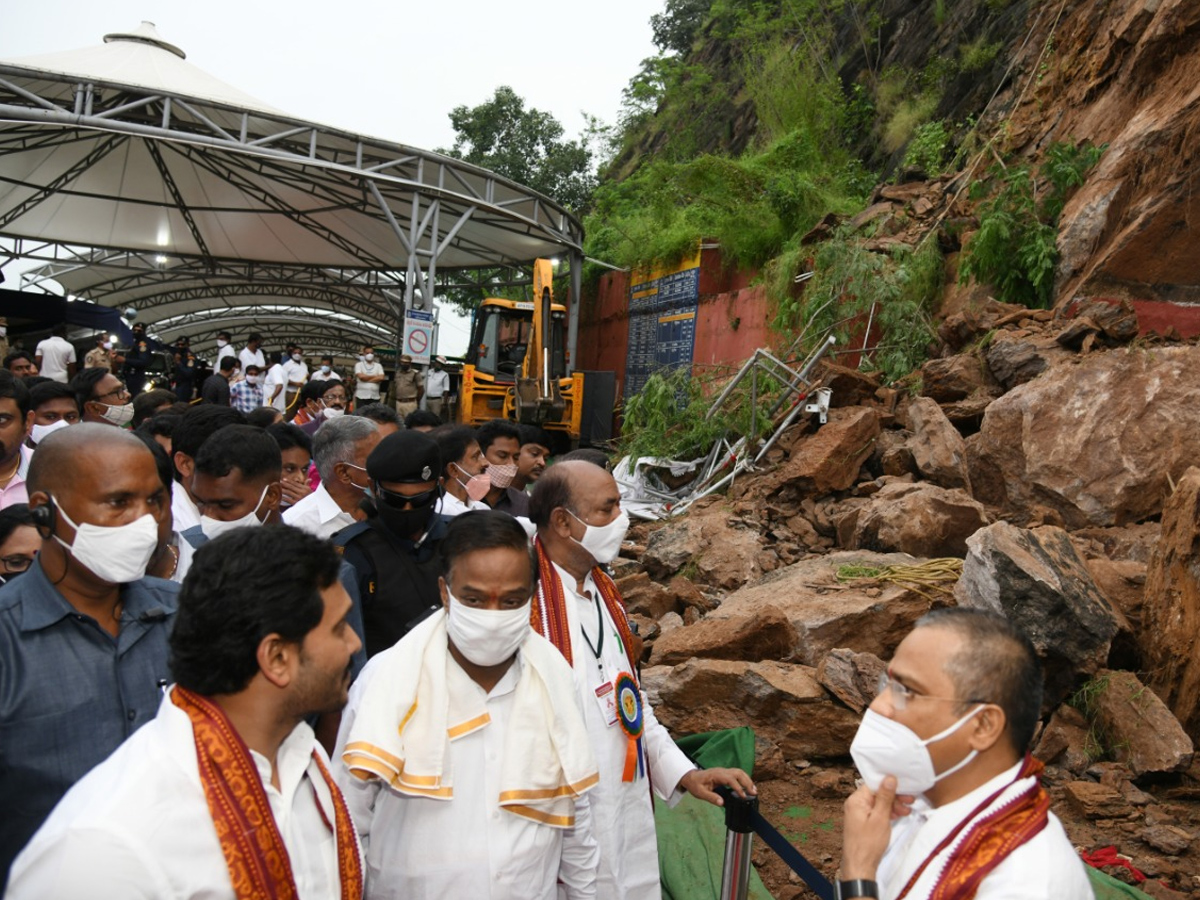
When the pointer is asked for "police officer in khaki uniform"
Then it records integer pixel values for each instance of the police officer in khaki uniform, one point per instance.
(408, 387)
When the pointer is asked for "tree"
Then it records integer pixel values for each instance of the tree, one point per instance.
(676, 28)
(525, 145)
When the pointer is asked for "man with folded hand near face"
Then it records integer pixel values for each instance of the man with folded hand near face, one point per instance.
(226, 794)
(465, 759)
(83, 633)
(951, 805)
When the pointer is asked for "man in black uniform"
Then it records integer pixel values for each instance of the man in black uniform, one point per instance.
(184, 375)
(396, 552)
(137, 361)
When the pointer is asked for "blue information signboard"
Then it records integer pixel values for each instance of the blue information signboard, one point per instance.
(662, 321)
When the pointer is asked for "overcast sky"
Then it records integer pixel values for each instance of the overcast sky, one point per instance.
(390, 70)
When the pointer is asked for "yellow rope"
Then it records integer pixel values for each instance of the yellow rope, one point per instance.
(938, 575)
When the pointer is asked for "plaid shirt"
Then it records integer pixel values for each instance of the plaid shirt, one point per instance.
(245, 397)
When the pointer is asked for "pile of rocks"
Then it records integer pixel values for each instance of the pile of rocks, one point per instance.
(1050, 455)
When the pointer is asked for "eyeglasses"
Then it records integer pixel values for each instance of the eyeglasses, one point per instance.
(393, 500)
(120, 391)
(17, 563)
(901, 693)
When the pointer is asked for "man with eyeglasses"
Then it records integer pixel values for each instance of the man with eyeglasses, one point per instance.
(340, 450)
(396, 552)
(102, 397)
(323, 401)
(951, 803)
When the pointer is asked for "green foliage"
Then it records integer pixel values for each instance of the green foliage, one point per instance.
(978, 54)
(666, 418)
(676, 27)
(526, 145)
(1014, 249)
(927, 149)
(852, 284)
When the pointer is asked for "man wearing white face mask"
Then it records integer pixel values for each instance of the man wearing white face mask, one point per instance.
(368, 376)
(247, 395)
(235, 481)
(102, 398)
(464, 471)
(340, 450)
(83, 634)
(462, 753)
(944, 746)
(577, 509)
(51, 406)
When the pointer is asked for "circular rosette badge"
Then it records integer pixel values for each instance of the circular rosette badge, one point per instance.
(629, 705)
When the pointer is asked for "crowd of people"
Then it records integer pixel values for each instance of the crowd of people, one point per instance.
(417, 680)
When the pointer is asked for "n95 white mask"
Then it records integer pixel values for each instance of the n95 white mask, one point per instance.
(884, 747)
(487, 637)
(38, 433)
(117, 554)
(213, 528)
(604, 541)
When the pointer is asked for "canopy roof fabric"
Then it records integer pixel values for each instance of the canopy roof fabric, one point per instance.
(142, 180)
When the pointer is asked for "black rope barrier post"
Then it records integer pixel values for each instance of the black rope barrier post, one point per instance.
(739, 820)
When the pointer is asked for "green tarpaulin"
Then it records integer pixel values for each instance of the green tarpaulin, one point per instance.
(691, 837)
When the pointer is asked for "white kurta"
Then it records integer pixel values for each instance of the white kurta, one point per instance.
(137, 827)
(622, 812)
(421, 848)
(449, 505)
(1044, 868)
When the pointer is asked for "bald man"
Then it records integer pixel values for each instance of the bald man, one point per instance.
(83, 634)
(580, 526)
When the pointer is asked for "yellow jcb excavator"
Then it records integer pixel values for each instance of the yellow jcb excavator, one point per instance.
(516, 363)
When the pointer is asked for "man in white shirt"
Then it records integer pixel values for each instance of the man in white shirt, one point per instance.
(577, 509)
(464, 472)
(951, 803)
(227, 783)
(478, 789)
(368, 376)
(275, 387)
(437, 386)
(224, 348)
(340, 449)
(295, 370)
(251, 354)
(325, 372)
(55, 357)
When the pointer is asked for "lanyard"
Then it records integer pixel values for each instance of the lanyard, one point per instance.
(598, 647)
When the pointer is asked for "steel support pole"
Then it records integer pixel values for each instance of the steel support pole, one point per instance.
(573, 311)
(739, 818)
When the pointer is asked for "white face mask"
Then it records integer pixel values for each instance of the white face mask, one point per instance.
(296, 357)
(38, 432)
(251, 379)
(487, 637)
(107, 345)
(370, 357)
(332, 412)
(221, 343)
(213, 528)
(325, 370)
(118, 554)
(118, 415)
(604, 541)
(502, 476)
(884, 747)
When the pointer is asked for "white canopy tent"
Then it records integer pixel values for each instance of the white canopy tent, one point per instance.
(137, 179)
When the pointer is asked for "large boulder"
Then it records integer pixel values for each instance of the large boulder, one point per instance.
(1171, 606)
(1015, 357)
(645, 597)
(1036, 579)
(955, 378)
(851, 677)
(937, 447)
(826, 461)
(829, 608)
(767, 635)
(919, 519)
(1137, 726)
(1097, 441)
(783, 702)
(708, 545)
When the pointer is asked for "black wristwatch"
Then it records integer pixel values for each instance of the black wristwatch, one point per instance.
(859, 887)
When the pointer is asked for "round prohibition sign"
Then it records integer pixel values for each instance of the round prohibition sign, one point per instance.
(418, 341)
